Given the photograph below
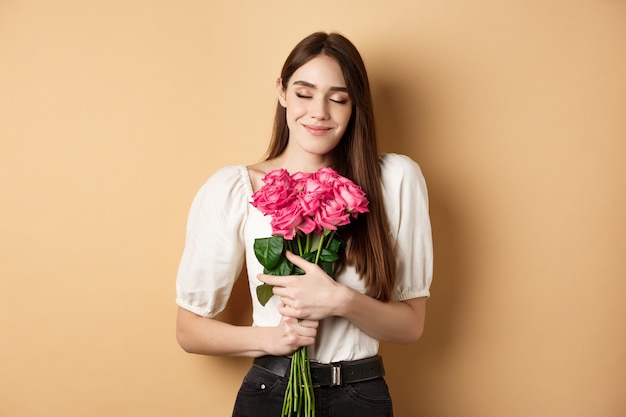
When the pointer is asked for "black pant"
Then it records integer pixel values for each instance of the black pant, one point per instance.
(261, 395)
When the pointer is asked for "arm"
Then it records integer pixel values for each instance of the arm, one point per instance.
(315, 295)
(212, 259)
(393, 321)
(206, 336)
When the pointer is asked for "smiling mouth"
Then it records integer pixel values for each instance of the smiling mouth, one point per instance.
(317, 130)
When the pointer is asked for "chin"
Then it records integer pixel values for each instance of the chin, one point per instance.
(319, 146)
(319, 151)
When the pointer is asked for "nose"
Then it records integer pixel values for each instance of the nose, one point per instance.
(319, 109)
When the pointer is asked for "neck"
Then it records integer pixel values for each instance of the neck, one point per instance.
(302, 163)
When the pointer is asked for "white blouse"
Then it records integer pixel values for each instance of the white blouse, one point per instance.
(222, 226)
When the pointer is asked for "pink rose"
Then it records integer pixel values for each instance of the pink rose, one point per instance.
(327, 176)
(279, 177)
(332, 215)
(308, 226)
(270, 199)
(313, 186)
(299, 179)
(351, 196)
(286, 221)
(277, 193)
(310, 203)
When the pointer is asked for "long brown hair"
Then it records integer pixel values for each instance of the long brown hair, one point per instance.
(356, 157)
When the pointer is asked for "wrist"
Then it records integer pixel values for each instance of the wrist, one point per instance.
(265, 338)
(344, 296)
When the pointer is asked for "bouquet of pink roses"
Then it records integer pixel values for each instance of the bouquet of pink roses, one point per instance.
(306, 211)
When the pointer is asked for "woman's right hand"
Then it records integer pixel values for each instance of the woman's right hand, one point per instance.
(292, 334)
(209, 336)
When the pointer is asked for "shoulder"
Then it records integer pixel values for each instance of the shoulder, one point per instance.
(232, 173)
(402, 181)
(396, 167)
(227, 187)
(229, 178)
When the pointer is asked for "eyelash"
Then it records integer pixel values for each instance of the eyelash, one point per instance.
(334, 101)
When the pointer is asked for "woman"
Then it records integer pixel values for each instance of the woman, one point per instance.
(324, 118)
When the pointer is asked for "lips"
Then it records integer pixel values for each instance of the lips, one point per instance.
(317, 130)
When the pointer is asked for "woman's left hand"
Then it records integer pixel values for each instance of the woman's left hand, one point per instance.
(313, 295)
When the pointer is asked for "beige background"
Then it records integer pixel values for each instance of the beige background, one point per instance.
(113, 113)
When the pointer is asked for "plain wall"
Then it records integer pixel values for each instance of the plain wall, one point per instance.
(113, 113)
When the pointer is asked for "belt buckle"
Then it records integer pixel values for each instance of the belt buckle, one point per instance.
(335, 376)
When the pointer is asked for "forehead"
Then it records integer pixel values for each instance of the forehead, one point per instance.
(321, 71)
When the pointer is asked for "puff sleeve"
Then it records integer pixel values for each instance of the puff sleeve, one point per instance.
(214, 245)
(406, 203)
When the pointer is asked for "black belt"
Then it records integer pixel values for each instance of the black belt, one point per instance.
(328, 374)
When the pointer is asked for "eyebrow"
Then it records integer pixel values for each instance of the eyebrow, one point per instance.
(310, 85)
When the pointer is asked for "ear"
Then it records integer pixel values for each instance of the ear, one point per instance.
(281, 92)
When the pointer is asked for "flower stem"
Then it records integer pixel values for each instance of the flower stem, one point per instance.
(300, 251)
(319, 250)
(299, 399)
(331, 235)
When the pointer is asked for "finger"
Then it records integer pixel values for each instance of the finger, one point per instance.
(307, 331)
(297, 260)
(312, 324)
(280, 291)
(286, 311)
(275, 280)
(289, 321)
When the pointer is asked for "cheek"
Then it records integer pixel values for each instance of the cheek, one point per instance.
(295, 110)
(345, 116)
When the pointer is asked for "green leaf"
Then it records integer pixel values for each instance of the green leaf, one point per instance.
(328, 268)
(309, 256)
(329, 256)
(283, 268)
(264, 293)
(315, 240)
(334, 245)
(269, 250)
